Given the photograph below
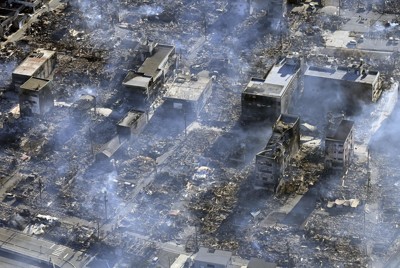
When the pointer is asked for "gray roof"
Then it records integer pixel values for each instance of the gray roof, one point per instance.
(184, 88)
(220, 257)
(152, 64)
(341, 73)
(258, 263)
(35, 84)
(276, 82)
(33, 62)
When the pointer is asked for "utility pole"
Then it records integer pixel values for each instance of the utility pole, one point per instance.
(40, 190)
(105, 203)
(184, 118)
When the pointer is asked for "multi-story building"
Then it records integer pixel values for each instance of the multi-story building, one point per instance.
(131, 124)
(342, 87)
(39, 64)
(284, 143)
(189, 93)
(339, 146)
(145, 82)
(35, 96)
(266, 99)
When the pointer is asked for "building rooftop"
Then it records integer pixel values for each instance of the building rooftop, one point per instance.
(342, 132)
(130, 118)
(258, 263)
(342, 73)
(152, 64)
(33, 62)
(220, 257)
(35, 84)
(276, 82)
(186, 88)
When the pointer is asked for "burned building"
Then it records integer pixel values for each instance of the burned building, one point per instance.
(38, 64)
(207, 258)
(80, 109)
(188, 93)
(266, 99)
(344, 86)
(131, 124)
(145, 82)
(284, 143)
(35, 96)
(339, 146)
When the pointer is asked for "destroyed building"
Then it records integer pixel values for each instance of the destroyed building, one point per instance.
(146, 81)
(35, 96)
(354, 83)
(188, 93)
(131, 124)
(38, 64)
(339, 146)
(284, 143)
(266, 99)
(212, 258)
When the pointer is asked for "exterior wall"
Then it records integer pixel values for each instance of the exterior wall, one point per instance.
(270, 169)
(135, 129)
(260, 108)
(266, 171)
(35, 102)
(338, 154)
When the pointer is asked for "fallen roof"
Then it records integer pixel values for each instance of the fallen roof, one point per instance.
(130, 118)
(35, 84)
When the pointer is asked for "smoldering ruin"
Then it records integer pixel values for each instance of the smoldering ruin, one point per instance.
(193, 133)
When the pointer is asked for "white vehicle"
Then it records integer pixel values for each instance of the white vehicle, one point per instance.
(352, 43)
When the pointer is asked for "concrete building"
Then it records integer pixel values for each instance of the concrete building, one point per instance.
(35, 96)
(339, 146)
(284, 143)
(258, 263)
(131, 124)
(146, 81)
(39, 64)
(210, 258)
(266, 99)
(354, 83)
(188, 93)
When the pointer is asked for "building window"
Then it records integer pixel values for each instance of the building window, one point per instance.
(210, 266)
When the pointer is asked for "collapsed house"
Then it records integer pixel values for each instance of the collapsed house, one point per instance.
(266, 99)
(131, 124)
(39, 64)
(35, 96)
(188, 93)
(346, 85)
(339, 146)
(146, 81)
(284, 143)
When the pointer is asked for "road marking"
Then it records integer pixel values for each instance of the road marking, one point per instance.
(58, 250)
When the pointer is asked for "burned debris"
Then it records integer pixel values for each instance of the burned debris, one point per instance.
(141, 133)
